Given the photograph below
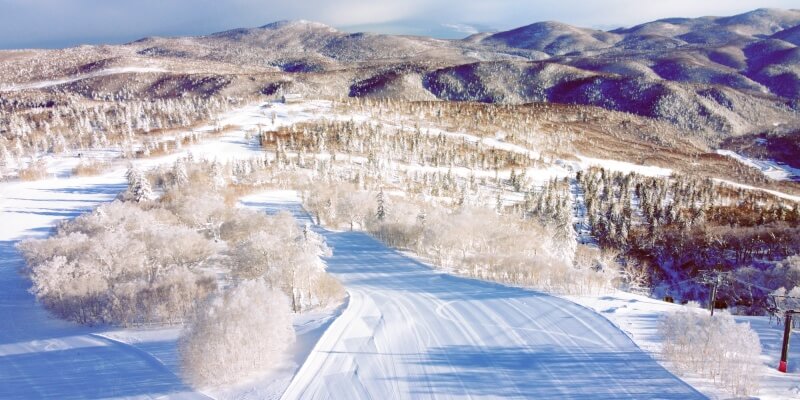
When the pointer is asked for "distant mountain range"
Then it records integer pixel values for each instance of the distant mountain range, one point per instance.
(715, 77)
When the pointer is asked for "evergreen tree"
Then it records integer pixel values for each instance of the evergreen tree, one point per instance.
(217, 177)
(138, 185)
(180, 176)
(381, 214)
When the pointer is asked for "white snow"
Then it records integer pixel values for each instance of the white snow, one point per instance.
(770, 169)
(639, 316)
(622, 166)
(55, 82)
(412, 332)
(43, 357)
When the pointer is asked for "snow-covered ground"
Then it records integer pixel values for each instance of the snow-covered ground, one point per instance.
(771, 169)
(407, 330)
(55, 82)
(623, 166)
(639, 317)
(748, 187)
(412, 332)
(43, 357)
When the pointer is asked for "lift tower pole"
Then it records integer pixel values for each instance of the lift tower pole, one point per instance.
(787, 333)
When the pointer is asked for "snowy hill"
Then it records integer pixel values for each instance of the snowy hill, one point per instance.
(495, 216)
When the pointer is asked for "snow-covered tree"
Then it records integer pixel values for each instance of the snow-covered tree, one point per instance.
(138, 185)
(243, 332)
(381, 204)
(714, 347)
(179, 173)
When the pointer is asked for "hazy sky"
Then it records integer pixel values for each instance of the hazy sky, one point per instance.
(60, 23)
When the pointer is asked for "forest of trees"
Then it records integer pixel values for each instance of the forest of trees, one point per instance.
(147, 259)
(29, 130)
(660, 234)
(468, 239)
(678, 227)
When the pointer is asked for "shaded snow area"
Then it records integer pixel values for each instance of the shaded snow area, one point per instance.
(639, 317)
(61, 81)
(771, 169)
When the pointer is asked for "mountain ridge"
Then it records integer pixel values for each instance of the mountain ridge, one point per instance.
(711, 76)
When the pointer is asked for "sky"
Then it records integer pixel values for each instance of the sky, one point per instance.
(63, 23)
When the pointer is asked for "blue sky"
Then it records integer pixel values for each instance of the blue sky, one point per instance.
(61, 23)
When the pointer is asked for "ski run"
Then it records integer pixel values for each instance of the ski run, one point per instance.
(405, 330)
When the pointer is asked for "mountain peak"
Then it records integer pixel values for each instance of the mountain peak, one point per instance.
(296, 23)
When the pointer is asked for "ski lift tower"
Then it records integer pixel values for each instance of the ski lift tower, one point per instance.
(785, 307)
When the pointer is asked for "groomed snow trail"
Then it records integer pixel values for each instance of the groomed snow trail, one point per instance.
(412, 332)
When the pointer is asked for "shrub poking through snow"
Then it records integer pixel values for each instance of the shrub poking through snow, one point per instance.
(236, 335)
(713, 347)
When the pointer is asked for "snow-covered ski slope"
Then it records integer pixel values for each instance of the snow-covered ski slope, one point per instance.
(412, 332)
(95, 74)
(408, 331)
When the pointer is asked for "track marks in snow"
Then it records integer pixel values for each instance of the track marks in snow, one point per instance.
(440, 336)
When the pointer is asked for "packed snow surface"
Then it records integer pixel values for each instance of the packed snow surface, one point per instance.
(639, 317)
(412, 332)
(770, 169)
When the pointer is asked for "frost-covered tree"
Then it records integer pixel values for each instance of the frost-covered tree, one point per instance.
(288, 258)
(243, 332)
(179, 173)
(714, 347)
(138, 185)
(380, 214)
(217, 175)
(121, 265)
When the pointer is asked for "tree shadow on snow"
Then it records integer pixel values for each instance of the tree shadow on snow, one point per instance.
(110, 189)
(83, 373)
(542, 372)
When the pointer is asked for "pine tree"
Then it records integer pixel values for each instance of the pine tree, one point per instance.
(138, 185)
(381, 214)
(217, 177)
(181, 177)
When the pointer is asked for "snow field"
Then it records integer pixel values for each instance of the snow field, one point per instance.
(639, 317)
(43, 357)
(407, 331)
(770, 169)
(412, 332)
